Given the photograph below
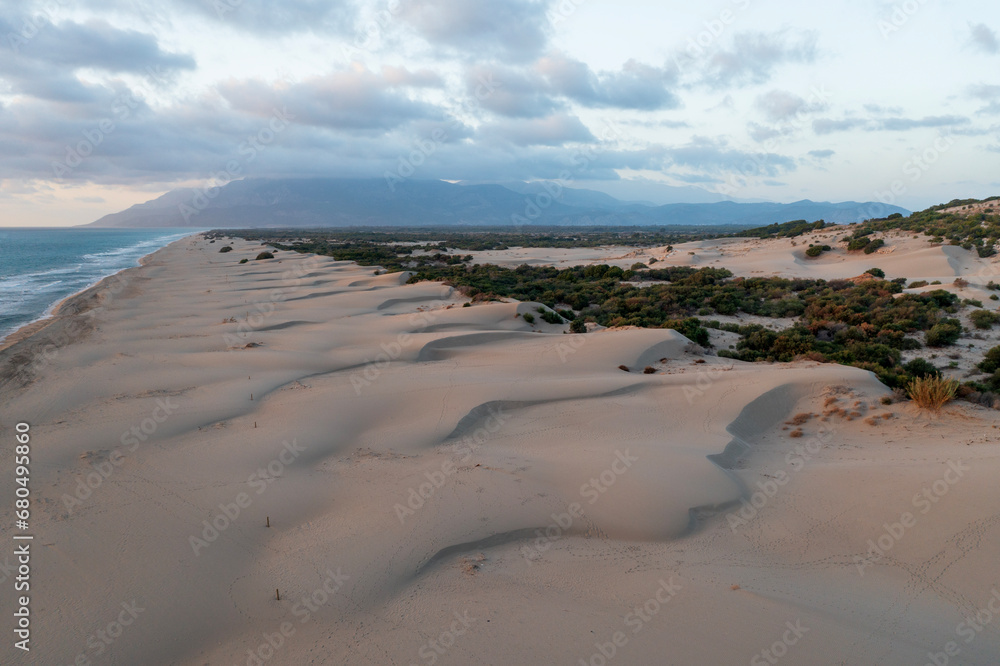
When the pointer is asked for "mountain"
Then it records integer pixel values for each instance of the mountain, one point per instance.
(322, 202)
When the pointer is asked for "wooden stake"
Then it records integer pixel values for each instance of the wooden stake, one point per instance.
(277, 595)
(269, 521)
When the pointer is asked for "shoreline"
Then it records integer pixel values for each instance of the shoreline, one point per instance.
(59, 309)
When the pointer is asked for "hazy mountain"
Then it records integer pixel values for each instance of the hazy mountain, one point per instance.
(371, 202)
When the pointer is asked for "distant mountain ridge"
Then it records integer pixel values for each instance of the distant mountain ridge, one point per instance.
(322, 202)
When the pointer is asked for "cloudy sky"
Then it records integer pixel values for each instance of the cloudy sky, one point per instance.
(112, 102)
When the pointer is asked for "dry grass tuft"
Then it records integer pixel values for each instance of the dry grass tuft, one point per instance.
(932, 392)
(796, 433)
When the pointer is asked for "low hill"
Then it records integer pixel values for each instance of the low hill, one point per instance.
(255, 203)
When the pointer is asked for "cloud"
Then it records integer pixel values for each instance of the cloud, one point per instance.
(753, 57)
(983, 38)
(43, 62)
(511, 30)
(989, 94)
(636, 86)
(713, 156)
(510, 92)
(905, 124)
(554, 130)
(822, 154)
(780, 105)
(893, 124)
(355, 98)
(554, 81)
(99, 45)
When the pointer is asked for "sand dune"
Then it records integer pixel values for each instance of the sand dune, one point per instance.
(452, 485)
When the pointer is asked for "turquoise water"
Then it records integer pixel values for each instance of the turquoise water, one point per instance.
(40, 267)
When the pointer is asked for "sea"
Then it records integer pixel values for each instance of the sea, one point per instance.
(40, 267)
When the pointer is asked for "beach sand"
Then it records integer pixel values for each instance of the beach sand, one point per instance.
(451, 485)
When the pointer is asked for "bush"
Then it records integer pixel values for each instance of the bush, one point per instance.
(921, 368)
(638, 266)
(932, 392)
(984, 318)
(814, 251)
(877, 272)
(265, 255)
(917, 283)
(874, 245)
(648, 370)
(225, 248)
(244, 260)
(858, 244)
(551, 317)
(528, 317)
(944, 333)
(991, 361)
(578, 326)
(623, 368)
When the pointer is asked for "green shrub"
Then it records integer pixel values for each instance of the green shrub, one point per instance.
(877, 272)
(551, 317)
(265, 255)
(578, 326)
(224, 249)
(991, 361)
(944, 333)
(874, 245)
(932, 392)
(858, 244)
(814, 251)
(244, 260)
(917, 283)
(919, 368)
(528, 317)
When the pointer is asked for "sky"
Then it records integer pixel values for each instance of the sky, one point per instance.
(109, 103)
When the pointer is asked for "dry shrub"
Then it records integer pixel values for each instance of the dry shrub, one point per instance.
(829, 401)
(623, 368)
(932, 392)
(872, 420)
(799, 419)
(648, 370)
(796, 433)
